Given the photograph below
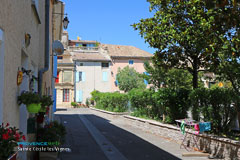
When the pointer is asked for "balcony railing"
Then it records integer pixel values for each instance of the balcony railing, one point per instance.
(83, 49)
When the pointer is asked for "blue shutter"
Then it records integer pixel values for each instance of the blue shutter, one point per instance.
(83, 76)
(55, 66)
(116, 82)
(105, 76)
(77, 76)
(145, 81)
(79, 95)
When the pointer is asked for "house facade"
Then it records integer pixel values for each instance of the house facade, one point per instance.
(122, 56)
(64, 83)
(26, 36)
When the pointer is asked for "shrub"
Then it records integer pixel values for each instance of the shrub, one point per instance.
(116, 102)
(74, 104)
(166, 103)
(216, 106)
(141, 102)
(173, 103)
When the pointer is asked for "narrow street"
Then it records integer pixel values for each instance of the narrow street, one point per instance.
(92, 135)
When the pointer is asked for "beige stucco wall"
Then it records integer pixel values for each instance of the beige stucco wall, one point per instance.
(138, 65)
(16, 19)
(94, 80)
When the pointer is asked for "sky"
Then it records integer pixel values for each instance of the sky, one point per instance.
(107, 21)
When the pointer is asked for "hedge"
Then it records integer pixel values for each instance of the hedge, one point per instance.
(115, 102)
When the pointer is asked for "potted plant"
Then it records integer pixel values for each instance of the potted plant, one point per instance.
(52, 132)
(31, 100)
(45, 102)
(74, 104)
(87, 102)
(10, 136)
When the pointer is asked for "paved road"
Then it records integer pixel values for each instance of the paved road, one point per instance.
(93, 135)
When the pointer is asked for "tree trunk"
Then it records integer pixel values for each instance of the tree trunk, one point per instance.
(195, 73)
(237, 107)
(238, 120)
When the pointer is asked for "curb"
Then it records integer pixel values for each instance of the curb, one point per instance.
(108, 112)
(158, 124)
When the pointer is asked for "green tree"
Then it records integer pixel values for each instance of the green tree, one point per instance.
(128, 78)
(172, 78)
(187, 34)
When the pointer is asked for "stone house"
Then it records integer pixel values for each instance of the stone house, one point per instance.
(27, 30)
(122, 56)
(88, 65)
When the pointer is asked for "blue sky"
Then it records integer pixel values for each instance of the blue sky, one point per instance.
(107, 21)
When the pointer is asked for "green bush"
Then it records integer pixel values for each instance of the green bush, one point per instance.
(216, 106)
(173, 103)
(141, 102)
(115, 102)
(74, 104)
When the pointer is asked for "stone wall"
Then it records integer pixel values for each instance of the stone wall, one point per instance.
(219, 148)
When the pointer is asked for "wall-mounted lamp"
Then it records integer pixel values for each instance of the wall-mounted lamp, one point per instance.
(27, 39)
(65, 20)
(26, 71)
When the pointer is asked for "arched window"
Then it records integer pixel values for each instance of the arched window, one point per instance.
(1, 73)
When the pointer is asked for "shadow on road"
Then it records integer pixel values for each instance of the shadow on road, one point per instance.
(83, 145)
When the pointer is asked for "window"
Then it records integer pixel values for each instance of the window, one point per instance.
(80, 76)
(65, 95)
(105, 65)
(35, 2)
(35, 5)
(81, 64)
(130, 62)
(67, 76)
(105, 76)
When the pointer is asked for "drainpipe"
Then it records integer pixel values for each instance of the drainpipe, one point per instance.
(74, 80)
(47, 41)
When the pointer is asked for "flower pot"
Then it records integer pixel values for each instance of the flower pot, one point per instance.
(13, 157)
(33, 108)
(40, 118)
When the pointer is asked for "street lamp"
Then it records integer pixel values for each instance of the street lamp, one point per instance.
(65, 22)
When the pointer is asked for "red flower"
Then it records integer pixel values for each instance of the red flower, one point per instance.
(17, 136)
(7, 124)
(24, 138)
(9, 130)
(20, 145)
(5, 136)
